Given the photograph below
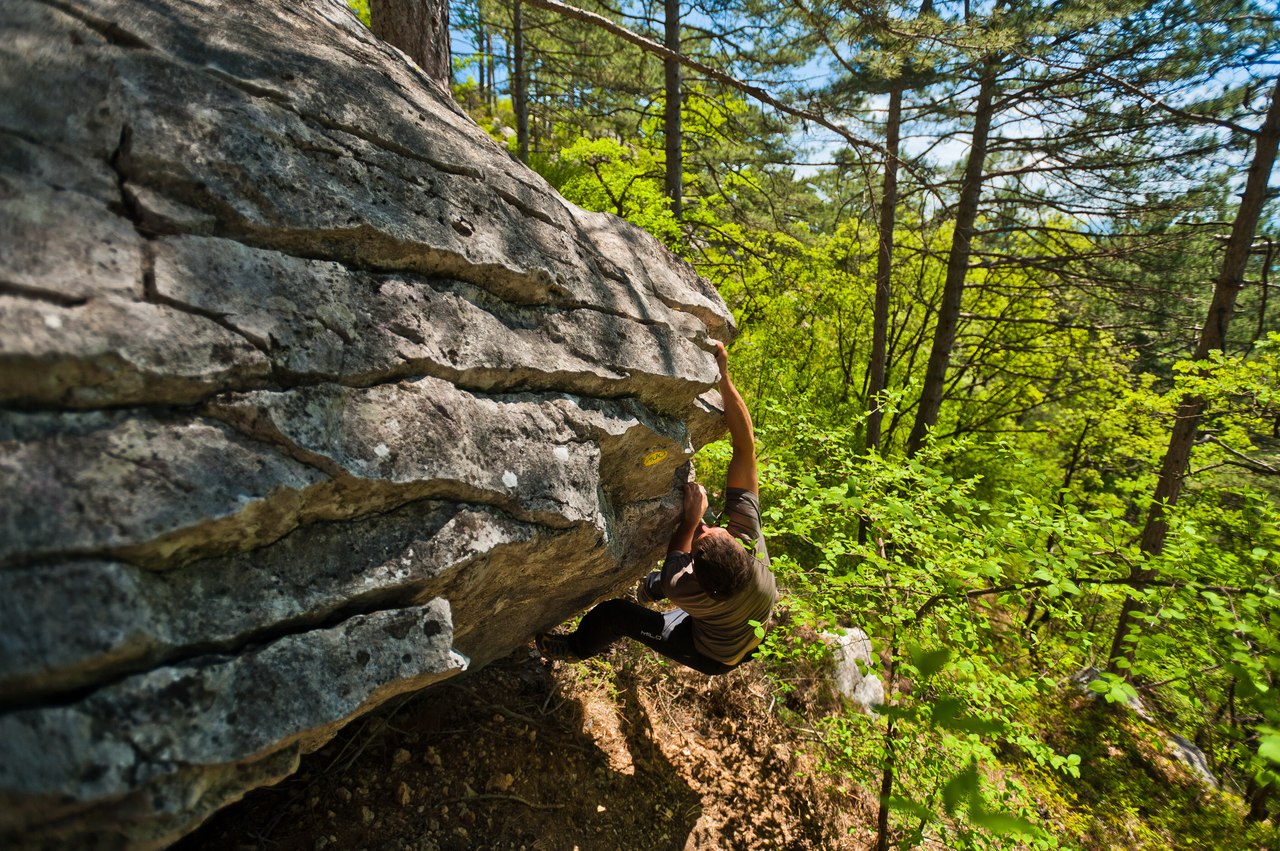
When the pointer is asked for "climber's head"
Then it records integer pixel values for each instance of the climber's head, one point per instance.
(721, 562)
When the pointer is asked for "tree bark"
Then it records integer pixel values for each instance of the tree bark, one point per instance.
(884, 266)
(1212, 338)
(421, 29)
(1263, 285)
(519, 82)
(944, 335)
(886, 789)
(1259, 797)
(493, 76)
(674, 98)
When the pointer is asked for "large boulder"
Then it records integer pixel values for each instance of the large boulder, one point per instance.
(310, 395)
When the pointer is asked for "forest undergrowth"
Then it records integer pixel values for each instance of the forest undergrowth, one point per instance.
(629, 752)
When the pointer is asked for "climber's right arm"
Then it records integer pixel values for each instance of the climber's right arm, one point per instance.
(742, 466)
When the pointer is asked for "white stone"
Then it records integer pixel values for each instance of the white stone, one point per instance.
(851, 649)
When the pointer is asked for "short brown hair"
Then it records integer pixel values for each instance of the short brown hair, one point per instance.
(722, 565)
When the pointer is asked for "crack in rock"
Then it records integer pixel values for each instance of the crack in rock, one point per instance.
(120, 620)
(113, 32)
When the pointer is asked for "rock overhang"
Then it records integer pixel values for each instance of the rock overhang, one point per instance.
(293, 357)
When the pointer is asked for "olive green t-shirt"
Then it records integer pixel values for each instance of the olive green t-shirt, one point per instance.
(722, 629)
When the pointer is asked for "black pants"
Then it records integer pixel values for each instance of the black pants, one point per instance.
(669, 633)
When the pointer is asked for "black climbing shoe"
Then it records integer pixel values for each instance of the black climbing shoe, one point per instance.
(554, 647)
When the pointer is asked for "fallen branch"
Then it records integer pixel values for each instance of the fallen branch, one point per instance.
(515, 798)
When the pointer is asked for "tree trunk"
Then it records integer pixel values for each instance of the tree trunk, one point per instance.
(493, 75)
(519, 83)
(483, 67)
(674, 131)
(1267, 254)
(944, 335)
(886, 790)
(1259, 796)
(884, 265)
(421, 29)
(890, 753)
(1212, 338)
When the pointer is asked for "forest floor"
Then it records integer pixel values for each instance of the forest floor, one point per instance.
(623, 752)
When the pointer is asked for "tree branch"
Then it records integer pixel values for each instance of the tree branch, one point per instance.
(1129, 581)
(756, 92)
(1245, 461)
(1194, 117)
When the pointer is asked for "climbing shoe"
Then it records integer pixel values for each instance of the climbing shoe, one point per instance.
(554, 647)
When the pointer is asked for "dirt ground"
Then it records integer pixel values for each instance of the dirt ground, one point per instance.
(623, 752)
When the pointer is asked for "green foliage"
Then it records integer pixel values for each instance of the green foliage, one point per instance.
(992, 565)
(983, 599)
(361, 8)
(610, 177)
(935, 597)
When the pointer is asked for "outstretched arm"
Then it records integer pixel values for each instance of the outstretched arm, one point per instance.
(742, 466)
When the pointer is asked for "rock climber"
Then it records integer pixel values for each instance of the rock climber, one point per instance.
(718, 576)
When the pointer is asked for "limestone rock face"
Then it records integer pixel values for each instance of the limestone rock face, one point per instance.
(310, 396)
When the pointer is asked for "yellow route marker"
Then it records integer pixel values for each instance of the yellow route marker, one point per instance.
(655, 457)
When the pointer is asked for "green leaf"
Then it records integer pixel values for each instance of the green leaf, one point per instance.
(929, 662)
(915, 808)
(962, 788)
(1003, 824)
(1269, 747)
(1120, 691)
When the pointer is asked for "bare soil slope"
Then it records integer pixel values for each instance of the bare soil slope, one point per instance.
(620, 753)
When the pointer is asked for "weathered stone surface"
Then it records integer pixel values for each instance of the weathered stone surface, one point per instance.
(855, 666)
(118, 618)
(377, 326)
(538, 457)
(112, 352)
(154, 490)
(130, 740)
(63, 246)
(1179, 748)
(1186, 752)
(293, 361)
